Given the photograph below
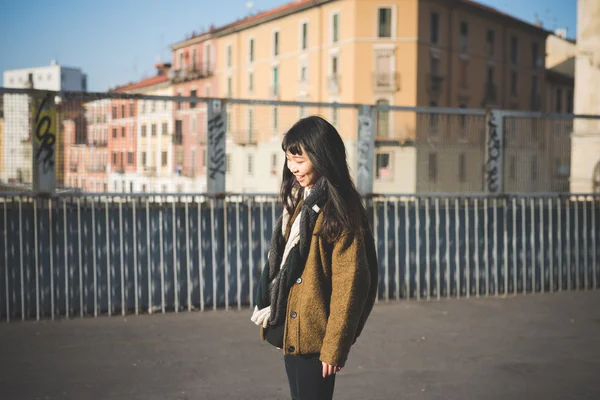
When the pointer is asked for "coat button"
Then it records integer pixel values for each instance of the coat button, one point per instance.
(291, 349)
(299, 280)
(294, 315)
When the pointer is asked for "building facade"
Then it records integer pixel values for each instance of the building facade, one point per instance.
(17, 129)
(585, 160)
(413, 53)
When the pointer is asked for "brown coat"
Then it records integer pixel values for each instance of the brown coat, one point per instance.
(329, 305)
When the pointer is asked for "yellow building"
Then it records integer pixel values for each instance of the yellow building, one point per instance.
(450, 53)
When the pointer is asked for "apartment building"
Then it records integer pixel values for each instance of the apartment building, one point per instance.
(193, 75)
(451, 53)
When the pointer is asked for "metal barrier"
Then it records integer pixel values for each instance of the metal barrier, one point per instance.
(131, 143)
(74, 256)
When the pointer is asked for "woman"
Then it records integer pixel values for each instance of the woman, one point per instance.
(320, 281)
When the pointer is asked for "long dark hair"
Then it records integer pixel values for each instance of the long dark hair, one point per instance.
(343, 210)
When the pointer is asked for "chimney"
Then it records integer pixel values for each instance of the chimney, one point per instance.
(162, 68)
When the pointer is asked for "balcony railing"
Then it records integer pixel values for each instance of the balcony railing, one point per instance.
(333, 84)
(178, 138)
(96, 168)
(191, 73)
(434, 83)
(386, 81)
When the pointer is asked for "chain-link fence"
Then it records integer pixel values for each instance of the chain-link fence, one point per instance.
(132, 143)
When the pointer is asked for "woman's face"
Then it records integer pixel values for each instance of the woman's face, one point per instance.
(302, 168)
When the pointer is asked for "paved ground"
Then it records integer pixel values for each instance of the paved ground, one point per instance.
(533, 347)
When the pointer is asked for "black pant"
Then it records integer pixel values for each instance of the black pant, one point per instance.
(305, 374)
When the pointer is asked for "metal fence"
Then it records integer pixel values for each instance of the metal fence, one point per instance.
(75, 256)
(133, 143)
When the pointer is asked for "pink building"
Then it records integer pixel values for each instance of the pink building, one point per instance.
(192, 75)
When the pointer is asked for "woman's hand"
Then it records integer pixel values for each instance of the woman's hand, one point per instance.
(329, 369)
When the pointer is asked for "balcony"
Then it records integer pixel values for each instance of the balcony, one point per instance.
(333, 84)
(191, 73)
(98, 143)
(386, 82)
(96, 168)
(434, 84)
(178, 139)
(150, 171)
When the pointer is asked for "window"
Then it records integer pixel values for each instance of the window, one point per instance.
(464, 36)
(193, 94)
(535, 98)
(559, 95)
(164, 158)
(122, 131)
(194, 60)
(383, 120)
(250, 124)
(142, 107)
(490, 38)
(463, 72)
(229, 53)
(462, 120)
(275, 81)
(144, 161)
(250, 160)
(153, 130)
(334, 115)
(122, 110)
(570, 101)
(229, 87)
(385, 23)
(435, 28)
(433, 120)
(462, 168)
(251, 51)
(513, 83)
(433, 168)
(335, 23)
(303, 73)
(114, 133)
(274, 162)
(114, 158)
(164, 129)
(535, 56)
(143, 131)
(304, 44)
(514, 49)
(490, 75)
(275, 121)
(382, 166)
(302, 111)
(131, 109)
(596, 179)
(114, 112)
(276, 44)
(250, 82)
(512, 168)
(130, 158)
(534, 168)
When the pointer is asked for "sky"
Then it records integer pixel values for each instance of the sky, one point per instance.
(119, 41)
